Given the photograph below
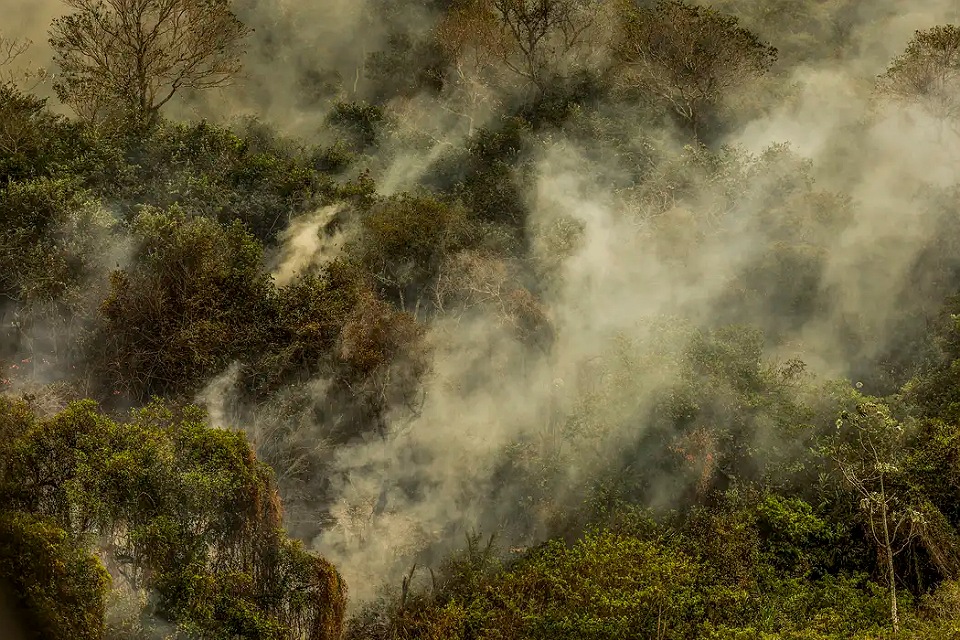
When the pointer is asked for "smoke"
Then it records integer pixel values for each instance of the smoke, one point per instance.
(833, 246)
(308, 241)
(217, 397)
(61, 280)
(27, 23)
(30, 21)
(302, 58)
(490, 396)
(489, 393)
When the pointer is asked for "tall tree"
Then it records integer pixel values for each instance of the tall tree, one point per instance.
(128, 58)
(466, 36)
(688, 57)
(544, 36)
(869, 452)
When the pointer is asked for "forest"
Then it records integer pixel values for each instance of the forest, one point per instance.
(479, 319)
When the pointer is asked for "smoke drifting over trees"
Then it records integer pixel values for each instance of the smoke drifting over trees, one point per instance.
(541, 318)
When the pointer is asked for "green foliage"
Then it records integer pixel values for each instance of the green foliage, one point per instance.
(928, 71)
(310, 313)
(333, 159)
(605, 586)
(483, 175)
(729, 417)
(52, 233)
(795, 537)
(57, 584)
(55, 238)
(405, 241)
(249, 175)
(935, 393)
(618, 585)
(194, 299)
(49, 236)
(359, 121)
(690, 480)
(172, 506)
(33, 141)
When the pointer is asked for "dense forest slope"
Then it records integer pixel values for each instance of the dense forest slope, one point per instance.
(462, 319)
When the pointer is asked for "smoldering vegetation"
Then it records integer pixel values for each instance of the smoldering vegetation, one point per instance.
(527, 272)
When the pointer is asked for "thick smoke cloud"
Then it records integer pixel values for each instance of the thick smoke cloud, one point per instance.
(488, 393)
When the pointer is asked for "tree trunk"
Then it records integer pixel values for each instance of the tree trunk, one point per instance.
(894, 617)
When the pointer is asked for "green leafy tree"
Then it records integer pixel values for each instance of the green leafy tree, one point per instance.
(51, 232)
(361, 122)
(54, 239)
(57, 585)
(30, 136)
(177, 508)
(405, 241)
(248, 173)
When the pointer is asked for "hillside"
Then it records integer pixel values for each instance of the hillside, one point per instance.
(480, 319)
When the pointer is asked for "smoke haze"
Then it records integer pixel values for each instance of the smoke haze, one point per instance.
(823, 174)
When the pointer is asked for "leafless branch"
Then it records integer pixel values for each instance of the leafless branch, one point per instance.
(133, 56)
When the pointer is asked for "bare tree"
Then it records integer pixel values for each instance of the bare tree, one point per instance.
(868, 457)
(928, 73)
(11, 49)
(544, 34)
(688, 57)
(534, 40)
(12, 75)
(468, 36)
(128, 58)
(476, 280)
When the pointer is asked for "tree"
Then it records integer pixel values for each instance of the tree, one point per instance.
(171, 506)
(474, 279)
(534, 40)
(465, 35)
(195, 299)
(21, 114)
(29, 135)
(130, 57)
(544, 36)
(59, 586)
(11, 49)
(688, 57)
(928, 72)
(405, 240)
(869, 455)
(53, 237)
